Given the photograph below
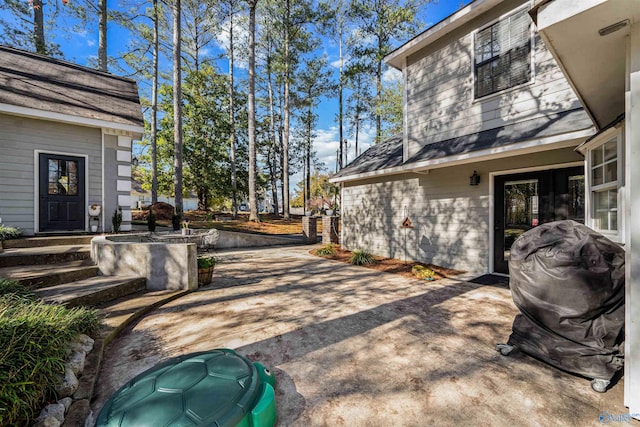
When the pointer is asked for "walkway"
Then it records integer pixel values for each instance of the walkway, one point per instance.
(352, 346)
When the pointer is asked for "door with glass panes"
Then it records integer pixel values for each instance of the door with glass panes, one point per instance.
(526, 200)
(62, 193)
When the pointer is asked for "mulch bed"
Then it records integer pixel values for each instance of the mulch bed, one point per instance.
(395, 266)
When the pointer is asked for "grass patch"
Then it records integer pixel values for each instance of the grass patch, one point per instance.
(361, 257)
(326, 251)
(7, 233)
(33, 340)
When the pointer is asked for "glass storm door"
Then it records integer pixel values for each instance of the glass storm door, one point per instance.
(62, 193)
(524, 201)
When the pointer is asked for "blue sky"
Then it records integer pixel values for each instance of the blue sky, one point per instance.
(80, 45)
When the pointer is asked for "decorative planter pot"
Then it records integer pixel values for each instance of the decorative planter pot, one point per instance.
(329, 212)
(94, 228)
(186, 231)
(205, 275)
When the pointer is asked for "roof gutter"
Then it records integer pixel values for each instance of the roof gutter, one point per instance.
(565, 140)
(67, 118)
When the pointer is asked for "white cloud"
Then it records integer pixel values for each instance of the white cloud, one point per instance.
(91, 43)
(392, 75)
(240, 40)
(336, 63)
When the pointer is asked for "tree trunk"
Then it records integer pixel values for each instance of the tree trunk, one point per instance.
(379, 102)
(253, 200)
(177, 108)
(154, 108)
(273, 163)
(308, 155)
(340, 116)
(102, 36)
(38, 27)
(232, 119)
(285, 142)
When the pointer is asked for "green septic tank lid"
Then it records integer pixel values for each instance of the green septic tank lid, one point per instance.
(211, 388)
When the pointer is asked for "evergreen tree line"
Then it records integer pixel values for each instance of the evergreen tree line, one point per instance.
(236, 115)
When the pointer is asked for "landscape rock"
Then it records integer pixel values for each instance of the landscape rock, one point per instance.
(55, 411)
(48, 422)
(82, 343)
(67, 401)
(76, 362)
(69, 383)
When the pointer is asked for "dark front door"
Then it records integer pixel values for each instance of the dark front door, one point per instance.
(62, 189)
(525, 200)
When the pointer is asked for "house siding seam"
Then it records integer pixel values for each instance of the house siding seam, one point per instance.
(440, 88)
(451, 219)
(19, 139)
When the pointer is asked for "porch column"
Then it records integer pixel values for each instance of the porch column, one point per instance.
(632, 182)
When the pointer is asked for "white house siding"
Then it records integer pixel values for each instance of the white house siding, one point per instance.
(19, 138)
(450, 218)
(440, 88)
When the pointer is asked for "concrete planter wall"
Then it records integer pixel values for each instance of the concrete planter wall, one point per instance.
(165, 266)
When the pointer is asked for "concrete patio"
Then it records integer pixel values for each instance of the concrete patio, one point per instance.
(352, 346)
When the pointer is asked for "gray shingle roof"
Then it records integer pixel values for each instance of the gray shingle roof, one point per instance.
(35, 81)
(388, 153)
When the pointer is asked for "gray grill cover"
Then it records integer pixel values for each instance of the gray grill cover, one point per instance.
(568, 282)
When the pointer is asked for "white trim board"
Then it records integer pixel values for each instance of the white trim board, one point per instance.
(36, 185)
(67, 118)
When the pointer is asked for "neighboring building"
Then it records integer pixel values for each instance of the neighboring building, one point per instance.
(142, 198)
(488, 149)
(597, 44)
(66, 143)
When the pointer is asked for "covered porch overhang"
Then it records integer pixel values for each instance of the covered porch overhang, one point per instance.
(597, 45)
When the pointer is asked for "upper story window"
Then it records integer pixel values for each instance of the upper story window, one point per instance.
(503, 54)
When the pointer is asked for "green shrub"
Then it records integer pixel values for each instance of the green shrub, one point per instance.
(422, 272)
(206, 261)
(151, 220)
(116, 219)
(326, 250)
(11, 287)
(33, 340)
(361, 257)
(7, 233)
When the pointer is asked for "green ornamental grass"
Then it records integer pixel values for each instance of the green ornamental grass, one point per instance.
(327, 250)
(361, 257)
(33, 341)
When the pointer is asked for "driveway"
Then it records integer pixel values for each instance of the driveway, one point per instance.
(352, 346)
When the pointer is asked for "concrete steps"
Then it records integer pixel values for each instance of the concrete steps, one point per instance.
(43, 241)
(40, 276)
(92, 291)
(44, 255)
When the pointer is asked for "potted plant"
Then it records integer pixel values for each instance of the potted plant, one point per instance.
(206, 263)
(116, 219)
(151, 220)
(95, 221)
(185, 228)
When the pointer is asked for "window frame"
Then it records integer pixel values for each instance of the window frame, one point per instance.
(613, 134)
(474, 65)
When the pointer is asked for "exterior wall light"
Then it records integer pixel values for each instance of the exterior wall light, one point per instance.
(135, 161)
(474, 179)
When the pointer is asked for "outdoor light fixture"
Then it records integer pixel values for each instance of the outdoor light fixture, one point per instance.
(613, 28)
(134, 161)
(474, 179)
